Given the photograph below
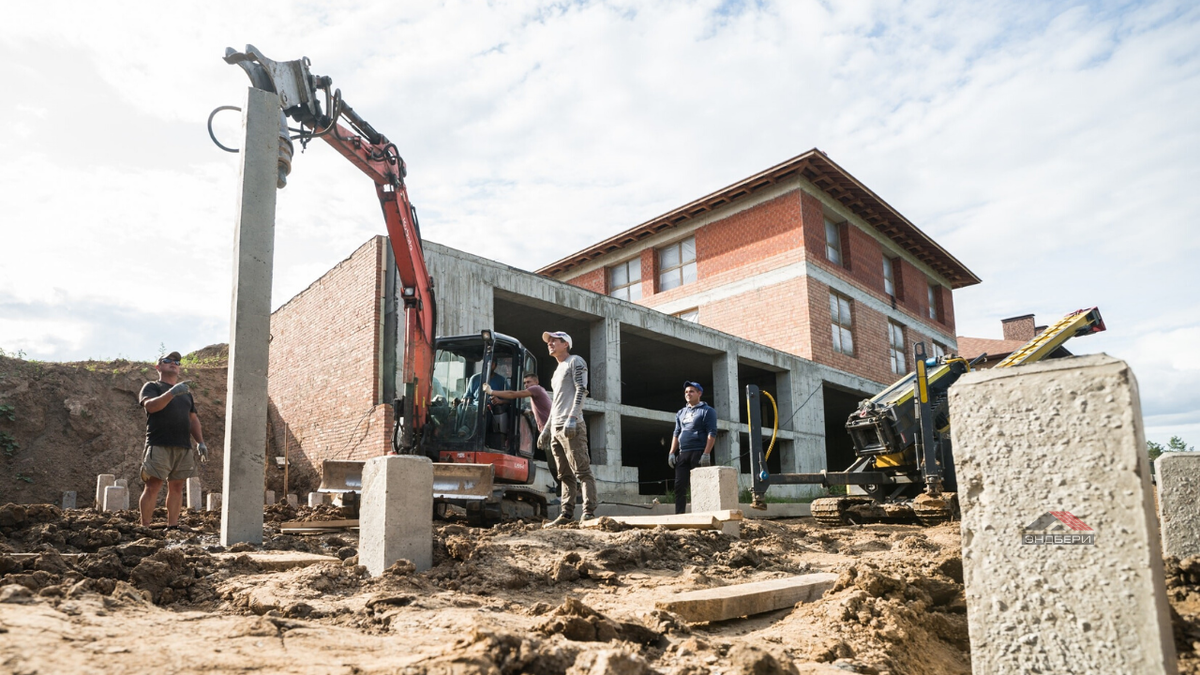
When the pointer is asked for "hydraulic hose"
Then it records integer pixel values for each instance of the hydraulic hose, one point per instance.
(775, 420)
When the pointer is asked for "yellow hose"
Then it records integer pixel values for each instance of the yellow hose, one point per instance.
(774, 432)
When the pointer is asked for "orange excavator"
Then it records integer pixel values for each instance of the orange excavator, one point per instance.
(482, 453)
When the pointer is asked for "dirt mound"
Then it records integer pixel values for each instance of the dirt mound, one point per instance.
(61, 424)
(1183, 592)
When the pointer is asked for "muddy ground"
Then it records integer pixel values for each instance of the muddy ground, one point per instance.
(511, 599)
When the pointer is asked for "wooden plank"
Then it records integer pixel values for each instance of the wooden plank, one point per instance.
(727, 514)
(318, 524)
(277, 561)
(731, 602)
(21, 557)
(685, 521)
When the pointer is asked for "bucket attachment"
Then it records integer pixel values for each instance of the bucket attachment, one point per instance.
(341, 475)
(450, 481)
(462, 481)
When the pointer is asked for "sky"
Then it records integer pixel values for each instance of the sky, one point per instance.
(1053, 148)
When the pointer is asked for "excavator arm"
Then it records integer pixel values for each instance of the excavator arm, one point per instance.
(300, 95)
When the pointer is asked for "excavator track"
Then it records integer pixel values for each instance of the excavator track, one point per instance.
(931, 510)
(837, 511)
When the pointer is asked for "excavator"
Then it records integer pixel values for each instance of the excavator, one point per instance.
(903, 468)
(483, 452)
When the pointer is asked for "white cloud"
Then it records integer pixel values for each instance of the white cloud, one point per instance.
(1052, 149)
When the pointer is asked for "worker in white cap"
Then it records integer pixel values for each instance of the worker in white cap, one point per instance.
(568, 432)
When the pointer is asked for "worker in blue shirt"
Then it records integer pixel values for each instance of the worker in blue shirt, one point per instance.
(695, 435)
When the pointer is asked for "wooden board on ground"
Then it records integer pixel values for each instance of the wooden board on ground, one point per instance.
(731, 602)
(316, 525)
(21, 557)
(277, 561)
(685, 521)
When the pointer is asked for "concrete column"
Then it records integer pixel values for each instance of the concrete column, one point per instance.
(316, 499)
(214, 501)
(268, 497)
(293, 500)
(122, 482)
(396, 513)
(1178, 494)
(604, 443)
(68, 501)
(808, 421)
(194, 499)
(725, 399)
(116, 498)
(604, 363)
(250, 323)
(102, 481)
(1061, 556)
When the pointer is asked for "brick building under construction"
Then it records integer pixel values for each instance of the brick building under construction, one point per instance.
(799, 280)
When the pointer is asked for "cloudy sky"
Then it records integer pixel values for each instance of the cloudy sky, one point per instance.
(1054, 148)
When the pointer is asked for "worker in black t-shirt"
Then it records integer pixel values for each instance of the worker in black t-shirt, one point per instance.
(171, 423)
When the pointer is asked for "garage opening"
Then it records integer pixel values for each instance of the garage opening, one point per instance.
(644, 445)
(839, 404)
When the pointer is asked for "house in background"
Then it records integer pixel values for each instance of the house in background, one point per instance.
(801, 257)
(1017, 331)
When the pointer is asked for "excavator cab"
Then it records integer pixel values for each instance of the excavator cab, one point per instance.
(463, 417)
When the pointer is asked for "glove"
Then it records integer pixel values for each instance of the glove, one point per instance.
(571, 429)
(544, 438)
(202, 450)
(179, 389)
(706, 459)
(671, 459)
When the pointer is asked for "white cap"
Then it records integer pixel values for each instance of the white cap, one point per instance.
(560, 335)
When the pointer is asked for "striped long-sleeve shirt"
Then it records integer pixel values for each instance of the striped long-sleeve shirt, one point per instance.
(570, 382)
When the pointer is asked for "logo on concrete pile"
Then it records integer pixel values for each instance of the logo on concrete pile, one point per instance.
(1058, 528)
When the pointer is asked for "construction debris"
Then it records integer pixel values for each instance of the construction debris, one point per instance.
(731, 602)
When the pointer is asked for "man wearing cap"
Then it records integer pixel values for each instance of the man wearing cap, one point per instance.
(568, 432)
(171, 423)
(695, 435)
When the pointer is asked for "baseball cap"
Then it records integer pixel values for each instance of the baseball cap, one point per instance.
(560, 335)
(697, 385)
(173, 356)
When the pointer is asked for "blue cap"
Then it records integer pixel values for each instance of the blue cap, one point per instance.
(697, 385)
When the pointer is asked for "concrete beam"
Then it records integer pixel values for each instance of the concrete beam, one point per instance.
(250, 323)
(731, 602)
(1061, 556)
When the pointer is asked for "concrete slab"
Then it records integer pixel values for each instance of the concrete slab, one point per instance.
(116, 498)
(214, 501)
(1061, 556)
(1178, 494)
(250, 322)
(396, 512)
(68, 500)
(193, 496)
(731, 602)
(102, 481)
(715, 488)
(278, 561)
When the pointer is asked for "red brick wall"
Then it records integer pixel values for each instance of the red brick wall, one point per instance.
(777, 316)
(595, 280)
(323, 378)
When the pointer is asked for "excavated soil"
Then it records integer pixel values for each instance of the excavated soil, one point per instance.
(105, 594)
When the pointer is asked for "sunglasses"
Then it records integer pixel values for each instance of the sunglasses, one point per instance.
(168, 361)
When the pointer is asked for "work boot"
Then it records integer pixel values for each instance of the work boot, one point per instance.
(587, 516)
(561, 520)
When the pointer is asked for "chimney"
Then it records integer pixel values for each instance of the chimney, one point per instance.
(1019, 328)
